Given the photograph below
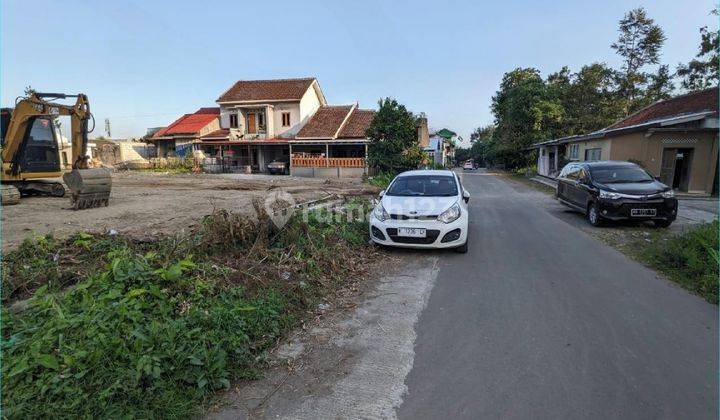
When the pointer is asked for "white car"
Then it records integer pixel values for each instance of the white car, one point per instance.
(422, 209)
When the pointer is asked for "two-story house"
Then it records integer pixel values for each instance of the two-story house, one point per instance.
(288, 119)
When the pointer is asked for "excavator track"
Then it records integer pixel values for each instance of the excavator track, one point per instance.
(10, 195)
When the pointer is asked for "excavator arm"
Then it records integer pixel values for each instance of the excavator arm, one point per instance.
(36, 105)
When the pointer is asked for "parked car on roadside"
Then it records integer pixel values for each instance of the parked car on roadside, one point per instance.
(422, 209)
(616, 190)
(468, 166)
(279, 166)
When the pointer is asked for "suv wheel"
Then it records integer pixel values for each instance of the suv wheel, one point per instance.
(593, 215)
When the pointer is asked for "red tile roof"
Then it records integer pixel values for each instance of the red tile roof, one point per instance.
(267, 90)
(694, 102)
(190, 123)
(325, 122)
(223, 132)
(357, 124)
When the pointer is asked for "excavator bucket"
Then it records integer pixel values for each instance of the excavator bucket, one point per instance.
(88, 187)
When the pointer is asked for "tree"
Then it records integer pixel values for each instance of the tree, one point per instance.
(589, 97)
(702, 72)
(393, 138)
(525, 112)
(639, 44)
(29, 91)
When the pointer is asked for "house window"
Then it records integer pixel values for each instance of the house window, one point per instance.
(593, 154)
(233, 121)
(286, 119)
(573, 154)
(261, 119)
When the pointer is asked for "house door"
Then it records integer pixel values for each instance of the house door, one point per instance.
(681, 177)
(251, 127)
(667, 168)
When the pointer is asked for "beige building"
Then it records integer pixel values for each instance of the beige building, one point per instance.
(675, 140)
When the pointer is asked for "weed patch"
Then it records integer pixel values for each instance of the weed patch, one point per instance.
(690, 259)
(156, 328)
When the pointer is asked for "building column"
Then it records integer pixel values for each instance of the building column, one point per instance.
(327, 154)
(367, 168)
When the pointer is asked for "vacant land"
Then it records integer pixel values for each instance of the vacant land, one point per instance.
(146, 204)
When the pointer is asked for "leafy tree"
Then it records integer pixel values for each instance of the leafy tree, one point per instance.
(589, 97)
(525, 112)
(702, 72)
(639, 44)
(660, 86)
(393, 138)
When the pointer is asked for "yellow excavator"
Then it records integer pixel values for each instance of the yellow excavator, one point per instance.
(31, 160)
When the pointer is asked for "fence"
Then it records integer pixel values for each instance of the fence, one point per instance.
(321, 162)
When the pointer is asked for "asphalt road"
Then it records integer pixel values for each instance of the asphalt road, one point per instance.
(539, 320)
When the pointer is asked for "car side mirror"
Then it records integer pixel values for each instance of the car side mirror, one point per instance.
(382, 193)
(466, 196)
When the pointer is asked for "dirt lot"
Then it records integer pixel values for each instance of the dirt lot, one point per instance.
(145, 204)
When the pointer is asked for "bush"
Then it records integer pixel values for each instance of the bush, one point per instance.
(528, 171)
(382, 180)
(690, 259)
(161, 326)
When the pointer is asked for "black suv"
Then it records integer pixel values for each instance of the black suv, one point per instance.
(614, 190)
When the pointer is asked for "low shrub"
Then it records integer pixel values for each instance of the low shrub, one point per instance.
(528, 171)
(690, 259)
(160, 326)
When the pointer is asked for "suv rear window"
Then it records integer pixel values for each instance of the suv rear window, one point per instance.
(423, 186)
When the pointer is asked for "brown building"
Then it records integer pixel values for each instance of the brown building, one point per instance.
(675, 140)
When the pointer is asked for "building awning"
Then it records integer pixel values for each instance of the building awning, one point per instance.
(246, 142)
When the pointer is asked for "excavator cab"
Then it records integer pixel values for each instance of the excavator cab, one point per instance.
(41, 152)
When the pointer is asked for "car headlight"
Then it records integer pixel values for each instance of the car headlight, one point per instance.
(668, 194)
(610, 195)
(450, 215)
(380, 213)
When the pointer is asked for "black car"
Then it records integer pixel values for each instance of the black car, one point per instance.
(279, 166)
(614, 190)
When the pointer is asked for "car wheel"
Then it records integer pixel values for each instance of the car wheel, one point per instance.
(593, 215)
(662, 223)
(462, 249)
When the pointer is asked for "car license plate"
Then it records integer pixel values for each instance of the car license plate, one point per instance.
(411, 232)
(643, 212)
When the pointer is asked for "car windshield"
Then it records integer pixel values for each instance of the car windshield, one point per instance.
(618, 175)
(423, 186)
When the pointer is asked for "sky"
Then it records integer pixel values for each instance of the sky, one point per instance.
(145, 63)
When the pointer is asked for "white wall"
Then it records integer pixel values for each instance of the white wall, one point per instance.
(294, 109)
(309, 103)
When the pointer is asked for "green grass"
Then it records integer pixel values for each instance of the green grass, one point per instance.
(382, 179)
(689, 259)
(158, 328)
